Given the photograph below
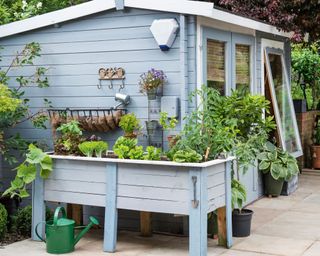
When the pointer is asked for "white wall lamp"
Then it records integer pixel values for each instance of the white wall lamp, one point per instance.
(164, 32)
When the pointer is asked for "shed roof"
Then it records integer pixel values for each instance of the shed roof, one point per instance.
(197, 8)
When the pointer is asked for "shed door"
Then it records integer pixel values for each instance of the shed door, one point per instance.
(229, 64)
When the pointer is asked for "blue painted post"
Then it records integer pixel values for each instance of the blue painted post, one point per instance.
(228, 204)
(198, 212)
(38, 206)
(111, 212)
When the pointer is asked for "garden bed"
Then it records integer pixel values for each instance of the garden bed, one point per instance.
(193, 189)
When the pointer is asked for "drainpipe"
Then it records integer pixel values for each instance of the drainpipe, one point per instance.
(184, 79)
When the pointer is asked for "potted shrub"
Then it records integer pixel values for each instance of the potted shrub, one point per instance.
(129, 123)
(277, 166)
(168, 124)
(151, 81)
(316, 148)
(241, 218)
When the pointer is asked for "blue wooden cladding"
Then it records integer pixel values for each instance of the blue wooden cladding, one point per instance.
(152, 186)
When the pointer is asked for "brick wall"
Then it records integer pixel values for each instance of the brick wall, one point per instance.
(306, 123)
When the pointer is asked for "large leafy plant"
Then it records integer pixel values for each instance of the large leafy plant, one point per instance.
(239, 194)
(280, 164)
(129, 123)
(35, 160)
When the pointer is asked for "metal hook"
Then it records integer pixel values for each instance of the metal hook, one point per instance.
(111, 85)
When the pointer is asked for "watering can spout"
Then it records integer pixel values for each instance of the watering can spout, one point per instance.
(93, 221)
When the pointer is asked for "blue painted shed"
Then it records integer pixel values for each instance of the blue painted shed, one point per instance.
(210, 48)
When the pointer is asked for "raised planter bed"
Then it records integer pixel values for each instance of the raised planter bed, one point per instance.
(193, 189)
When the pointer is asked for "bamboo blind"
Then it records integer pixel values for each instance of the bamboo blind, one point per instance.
(215, 61)
(242, 65)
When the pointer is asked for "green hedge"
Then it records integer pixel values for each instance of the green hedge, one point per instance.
(3, 221)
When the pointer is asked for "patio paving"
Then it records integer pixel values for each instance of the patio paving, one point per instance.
(284, 226)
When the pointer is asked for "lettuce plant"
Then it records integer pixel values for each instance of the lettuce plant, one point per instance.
(136, 153)
(123, 146)
(87, 148)
(100, 148)
(153, 153)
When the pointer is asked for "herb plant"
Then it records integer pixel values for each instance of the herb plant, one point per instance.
(187, 156)
(153, 153)
(129, 123)
(27, 171)
(167, 123)
(69, 140)
(279, 163)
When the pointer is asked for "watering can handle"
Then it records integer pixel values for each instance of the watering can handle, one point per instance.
(56, 215)
(36, 230)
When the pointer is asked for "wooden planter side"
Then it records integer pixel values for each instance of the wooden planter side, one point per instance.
(189, 190)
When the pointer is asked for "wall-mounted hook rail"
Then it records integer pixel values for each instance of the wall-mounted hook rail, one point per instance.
(111, 74)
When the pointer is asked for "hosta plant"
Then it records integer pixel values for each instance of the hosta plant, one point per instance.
(279, 163)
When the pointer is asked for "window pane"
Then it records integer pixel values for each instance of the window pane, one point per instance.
(284, 106)
(216, 65)
(243, 67)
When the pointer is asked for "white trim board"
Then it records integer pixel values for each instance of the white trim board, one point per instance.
(178, 6)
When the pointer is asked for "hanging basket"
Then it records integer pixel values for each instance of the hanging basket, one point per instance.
(95, 120)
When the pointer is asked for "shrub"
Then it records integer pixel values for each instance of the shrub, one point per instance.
(3, 221)
(23, 218)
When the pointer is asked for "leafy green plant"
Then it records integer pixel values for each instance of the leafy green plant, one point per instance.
(153, 153)
(306, 72)
(123, 146)
(100, 148)
(67, 143)
(239, 194)
(136, 153)
(87, 148)
(22, 220)
(187, 156)
(27, 171)
(69, 128)
(3, 221)
(129, 123)
(167, 123)
(279, 163)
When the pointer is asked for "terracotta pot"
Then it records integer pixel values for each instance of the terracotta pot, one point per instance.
(316, 157)
(172, 139)
(130, 135)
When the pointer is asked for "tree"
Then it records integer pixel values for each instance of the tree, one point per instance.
(13, 10)
(14, 108)
(300, 16)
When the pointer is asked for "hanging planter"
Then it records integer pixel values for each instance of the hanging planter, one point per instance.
(152, 94)
(151, 126)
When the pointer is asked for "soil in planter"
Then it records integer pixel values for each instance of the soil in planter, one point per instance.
(241, 222)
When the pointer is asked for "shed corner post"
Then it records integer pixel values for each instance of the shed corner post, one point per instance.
(111, 211)
(38, 206)
(225, 213)
(198, 209)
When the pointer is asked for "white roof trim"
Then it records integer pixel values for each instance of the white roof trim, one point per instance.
(178, 6)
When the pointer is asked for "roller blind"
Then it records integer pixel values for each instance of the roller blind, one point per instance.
(216, 65)
(243, 67)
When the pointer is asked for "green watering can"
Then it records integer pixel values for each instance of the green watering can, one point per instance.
(60, 232)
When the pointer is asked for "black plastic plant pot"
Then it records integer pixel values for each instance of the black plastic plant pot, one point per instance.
(241, 222)
(272, 187)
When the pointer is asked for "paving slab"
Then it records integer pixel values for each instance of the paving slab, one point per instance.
(314, 250)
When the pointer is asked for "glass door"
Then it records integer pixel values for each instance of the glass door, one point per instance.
(279, 88)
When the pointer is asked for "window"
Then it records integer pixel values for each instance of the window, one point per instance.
(282, 102)
(216, 65)
(242, 67)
